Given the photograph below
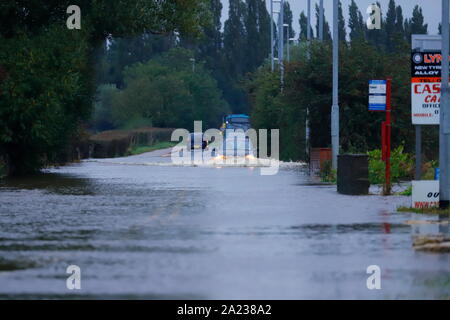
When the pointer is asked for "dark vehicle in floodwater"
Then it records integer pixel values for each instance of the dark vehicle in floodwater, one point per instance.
(196, 141)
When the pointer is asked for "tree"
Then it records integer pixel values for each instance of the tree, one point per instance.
(264, 30)
(417, 25)
(303, 21)
(407, 27)
(390, 28)
(235, 61)
(326, 25)
(308, 84)
(47, 86)
(106, 18)
(288, 18)
(355, 23)
(234, 38)
(252, 36)
(341, 24)
(123, 52)
(167, 93)
(399, 24)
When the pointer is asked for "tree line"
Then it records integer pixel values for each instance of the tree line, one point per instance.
(47, 78)
(307, 94)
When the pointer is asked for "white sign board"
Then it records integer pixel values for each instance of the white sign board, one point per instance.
(425, 194)
(377, 95)
(377, 88)
(377, 100)
(425, 102)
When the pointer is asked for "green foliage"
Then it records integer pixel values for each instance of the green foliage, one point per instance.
(167, 92)
(355, 23)
(272, 110)
(326, 25)
(47, 71)
(308, 86)
(406, 192)
(428, 170)
(105, 18)
(327, 173)
(124, 52)
(44, 95)
(402, 165)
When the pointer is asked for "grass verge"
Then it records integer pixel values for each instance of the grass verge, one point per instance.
(134, 150)
(425, 210)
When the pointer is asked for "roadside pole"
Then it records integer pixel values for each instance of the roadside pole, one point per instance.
(380, 100)
(335, 106)
(281, 43)
(308, 56)
(271, 37)
(288, 34)
(387, 188)
(444, 129)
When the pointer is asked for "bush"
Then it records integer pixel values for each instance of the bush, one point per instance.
(428, 170)
(402, 166)
(327, 174)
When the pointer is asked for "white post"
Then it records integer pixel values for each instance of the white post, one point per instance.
(271, 36)
(335, 106)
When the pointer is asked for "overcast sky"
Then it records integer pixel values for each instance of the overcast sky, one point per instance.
(431, 10)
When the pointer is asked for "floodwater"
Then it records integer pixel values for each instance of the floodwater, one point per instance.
(141, 230)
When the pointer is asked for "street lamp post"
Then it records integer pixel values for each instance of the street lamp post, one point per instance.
(271, 36)
(285, 25)
(321, 21)
(281, 43)
(289, 48)
(335, 106)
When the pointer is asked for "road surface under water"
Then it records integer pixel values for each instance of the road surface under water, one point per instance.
(142, 230)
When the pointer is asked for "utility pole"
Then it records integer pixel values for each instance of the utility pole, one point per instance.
(321, 21)
(287, 42)
(271, 37)
(272, 32)
(335, 106)
(444, 129)
(281, 43)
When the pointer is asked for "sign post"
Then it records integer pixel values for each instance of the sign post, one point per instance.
(380, 100)
(387, 185)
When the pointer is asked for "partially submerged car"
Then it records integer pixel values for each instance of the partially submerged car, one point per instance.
(196, 141)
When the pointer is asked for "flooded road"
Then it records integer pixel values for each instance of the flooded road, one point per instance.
(142, 230)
